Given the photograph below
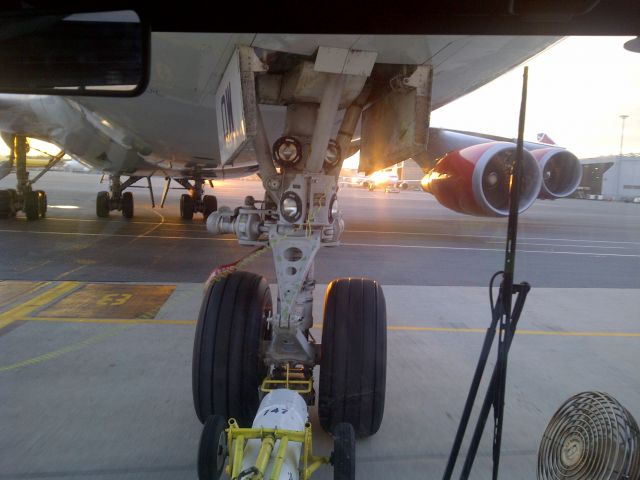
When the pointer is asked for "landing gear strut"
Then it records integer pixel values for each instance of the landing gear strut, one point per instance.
(32, 202)
(299, 215)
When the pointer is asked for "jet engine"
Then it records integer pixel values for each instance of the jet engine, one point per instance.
(475, 180)
(561, 172)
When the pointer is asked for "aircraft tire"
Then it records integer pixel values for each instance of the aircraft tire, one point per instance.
(344, 452)
(42, 203)
(227, 369)
(213, 448)
(14, 198)
(102, 204)
(210, 205)
(127, 205)
(6, 204)
(31, 205)
(186, 206)
(354, 356)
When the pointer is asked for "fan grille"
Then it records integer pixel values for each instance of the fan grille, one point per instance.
(590, 437)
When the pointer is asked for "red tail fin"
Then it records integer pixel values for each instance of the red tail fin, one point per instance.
(544, 138)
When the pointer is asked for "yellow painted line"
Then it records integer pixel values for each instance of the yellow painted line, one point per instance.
(578, 334)
(23, 310)
(125, 321)
(56, 353)
(35, 288)
(398, 328)
(147, 232)
(69, 272)
(392, 328)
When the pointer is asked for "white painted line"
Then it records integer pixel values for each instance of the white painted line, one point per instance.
(201, 226)
(487, 236)
(558, 245)
(129, 222)
(82, 234)
(428, 247)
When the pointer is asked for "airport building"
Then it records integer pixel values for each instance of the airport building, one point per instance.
(409, 170)
(611, 177)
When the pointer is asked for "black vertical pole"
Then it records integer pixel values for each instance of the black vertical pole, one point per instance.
(501, 312)
(507, 284)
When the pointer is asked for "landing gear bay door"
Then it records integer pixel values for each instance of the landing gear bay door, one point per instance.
(396, 126)
(236, 105)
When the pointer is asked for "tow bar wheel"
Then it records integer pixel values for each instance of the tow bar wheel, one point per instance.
(227, 368)
(213, 451)
(354, 356)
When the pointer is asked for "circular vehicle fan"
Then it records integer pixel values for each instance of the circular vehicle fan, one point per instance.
(590, 437)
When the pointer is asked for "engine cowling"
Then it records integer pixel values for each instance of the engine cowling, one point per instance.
(561, 172)
(475, 180)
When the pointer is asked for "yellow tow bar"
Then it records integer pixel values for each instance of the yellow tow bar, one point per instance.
(237, 438)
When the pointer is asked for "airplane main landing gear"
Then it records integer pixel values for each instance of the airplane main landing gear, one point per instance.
(195, 201)
(116, 198)
(32, 202)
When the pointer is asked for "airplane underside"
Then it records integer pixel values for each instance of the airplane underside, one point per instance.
(254, 361)
(170, 130)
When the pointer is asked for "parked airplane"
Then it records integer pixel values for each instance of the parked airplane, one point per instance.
(293, 123)
(287, 107)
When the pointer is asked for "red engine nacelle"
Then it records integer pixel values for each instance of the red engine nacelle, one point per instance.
(561, 172)
(475, 180)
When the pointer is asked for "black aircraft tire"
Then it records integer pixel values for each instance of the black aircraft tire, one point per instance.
(344, 452)
(42, 203)
(186, 206)
(213, 448)
(14, 196)
(127, 205)
(210, 205)
(354, 356)
(227, 368)
(102, 204)
(31, 205)
(6, 207)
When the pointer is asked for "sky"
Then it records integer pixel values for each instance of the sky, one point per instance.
(577, 91)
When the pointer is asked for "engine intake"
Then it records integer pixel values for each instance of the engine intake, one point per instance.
(475, 180)
(561, 172)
